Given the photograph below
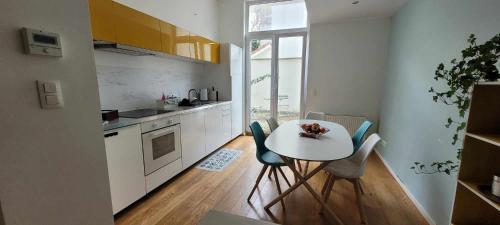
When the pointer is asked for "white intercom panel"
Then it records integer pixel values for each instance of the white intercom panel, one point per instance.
(41, 42)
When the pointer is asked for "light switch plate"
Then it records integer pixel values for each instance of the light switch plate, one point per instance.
(50, 94)
(49, 87)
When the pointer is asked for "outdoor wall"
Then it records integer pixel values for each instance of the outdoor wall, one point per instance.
(346, 67)
(199, 17)
(52, 162)
(288, 88)
(424, 34)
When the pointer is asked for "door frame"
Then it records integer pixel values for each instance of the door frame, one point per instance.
(274, 36)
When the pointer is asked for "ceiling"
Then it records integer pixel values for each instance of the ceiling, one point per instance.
(324, 11)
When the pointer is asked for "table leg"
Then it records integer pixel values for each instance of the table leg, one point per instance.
(303, 180)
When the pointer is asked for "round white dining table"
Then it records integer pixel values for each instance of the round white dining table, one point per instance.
(334, 145)
(286, 142)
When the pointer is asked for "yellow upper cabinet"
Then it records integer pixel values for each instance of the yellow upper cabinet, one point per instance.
(168, 35)
(205, 49)
(120, 24)
(215, 52)
(136, 29)
(183, 45)
(102, 20)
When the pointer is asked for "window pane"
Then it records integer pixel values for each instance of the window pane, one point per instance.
(277, 16)
(289, 77)
(260, 84)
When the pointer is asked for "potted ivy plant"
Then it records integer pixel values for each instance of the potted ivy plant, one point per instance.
(478, 63)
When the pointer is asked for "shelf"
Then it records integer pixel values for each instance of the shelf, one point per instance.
(493, 139)
(473, 187)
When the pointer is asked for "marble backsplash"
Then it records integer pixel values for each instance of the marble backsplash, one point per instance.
(132, 82)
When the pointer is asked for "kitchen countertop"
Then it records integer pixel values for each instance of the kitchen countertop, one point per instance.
(124, 122)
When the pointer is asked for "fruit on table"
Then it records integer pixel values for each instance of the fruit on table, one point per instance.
(313, 128)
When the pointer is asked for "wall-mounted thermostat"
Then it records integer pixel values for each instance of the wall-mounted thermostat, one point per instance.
(41, 43)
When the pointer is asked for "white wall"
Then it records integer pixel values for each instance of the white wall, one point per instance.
(347, 67)
(131, 82)
(52, 162)
(424, 34)
(230, 20)
(199, 17)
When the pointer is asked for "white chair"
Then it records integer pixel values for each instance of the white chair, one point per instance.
(315, 116)
(351, 169)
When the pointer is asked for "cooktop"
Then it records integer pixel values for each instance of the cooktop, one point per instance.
(140, 113)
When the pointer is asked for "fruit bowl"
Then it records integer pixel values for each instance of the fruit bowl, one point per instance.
(312, 130)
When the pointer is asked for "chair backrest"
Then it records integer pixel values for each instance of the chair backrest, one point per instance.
(273, 124)
(260, 138)
(357, 138)
(315, 116)
(360, 157)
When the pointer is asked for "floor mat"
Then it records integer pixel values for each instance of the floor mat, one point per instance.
(218, 161)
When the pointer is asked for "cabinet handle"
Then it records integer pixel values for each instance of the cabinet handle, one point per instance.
(111, 134)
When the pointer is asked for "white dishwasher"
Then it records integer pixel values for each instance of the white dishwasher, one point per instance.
(125, 166)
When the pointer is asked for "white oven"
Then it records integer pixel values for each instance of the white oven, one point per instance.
(161, 143)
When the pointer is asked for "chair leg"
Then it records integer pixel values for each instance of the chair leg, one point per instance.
(362, 189)
(326, 183)
(306, 168)
(294, 176)
(283, 174)
(261, 174)
(357, 189)
(299, 165)
(270, 173)
(278, 185)
(328, 191)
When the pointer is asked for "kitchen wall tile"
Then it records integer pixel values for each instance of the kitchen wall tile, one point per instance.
(131, 82)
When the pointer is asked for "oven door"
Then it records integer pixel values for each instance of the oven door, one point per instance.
(161, 147)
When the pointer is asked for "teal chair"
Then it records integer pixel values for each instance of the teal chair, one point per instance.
(268, 158)
(357, 138)
(273, 125)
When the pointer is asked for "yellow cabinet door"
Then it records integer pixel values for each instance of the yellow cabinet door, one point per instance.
(215, 53)
(197, 43)
(102, 20)
(205, 49)
(183, 45)
(136, 29)
(168, 36)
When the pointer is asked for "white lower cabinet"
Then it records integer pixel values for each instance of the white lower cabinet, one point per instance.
(192, 137)
(213, 129)
(125, 166)
(226, 124)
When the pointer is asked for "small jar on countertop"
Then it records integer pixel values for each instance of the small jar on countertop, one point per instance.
(495, 186)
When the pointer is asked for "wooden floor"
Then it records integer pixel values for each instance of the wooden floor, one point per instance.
(185, 199)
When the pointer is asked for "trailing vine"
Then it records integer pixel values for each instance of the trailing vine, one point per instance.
(478, 63)
(259, 79)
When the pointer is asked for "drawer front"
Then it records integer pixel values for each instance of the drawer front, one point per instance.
(162, 175)
(226, 107)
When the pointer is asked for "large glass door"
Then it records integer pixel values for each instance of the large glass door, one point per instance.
(276, 73)
(275, 48)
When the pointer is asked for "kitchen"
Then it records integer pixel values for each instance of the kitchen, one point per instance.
(261, 112)
(159, 116)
